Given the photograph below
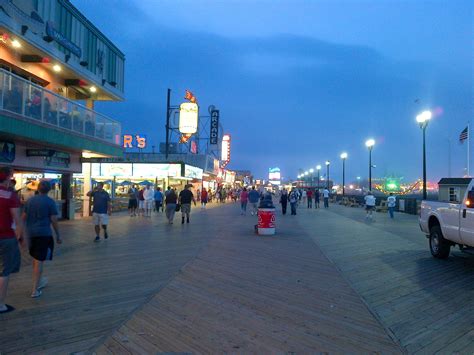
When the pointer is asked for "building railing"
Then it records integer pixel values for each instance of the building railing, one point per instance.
(31, 101)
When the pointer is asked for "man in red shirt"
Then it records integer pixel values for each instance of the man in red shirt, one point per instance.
(10, 257)
(309, 194)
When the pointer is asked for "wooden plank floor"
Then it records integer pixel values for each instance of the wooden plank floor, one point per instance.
(94, 287)
(250, 294)
(428, 304)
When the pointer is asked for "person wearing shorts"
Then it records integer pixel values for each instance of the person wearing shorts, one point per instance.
(132, 201)
(369, 205)
(101, 210)
(185, 199)
(39, 214)
(10, 257)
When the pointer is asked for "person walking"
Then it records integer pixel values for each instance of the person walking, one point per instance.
(293, 198)
(10, 257)
(141, 202)
(101, 209)
(253, 197)
(391, 202)
(158, 200)
(204, 198)
(303, 196)
(369, 205)
(284, 200)
(326, 198)
(148, 196)
(185, 198)
(39, 215)
(244, 199)
(171, 200)
(132, 200)
(316, 198)
(309, 195)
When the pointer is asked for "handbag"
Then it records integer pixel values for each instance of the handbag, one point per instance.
(178, 207)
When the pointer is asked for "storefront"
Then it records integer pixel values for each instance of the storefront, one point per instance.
(32, 163)
(118, 177)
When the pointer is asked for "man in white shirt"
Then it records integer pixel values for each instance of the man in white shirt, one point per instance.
(326, 198)
(369, 205)
(391, 202)
(149, 196)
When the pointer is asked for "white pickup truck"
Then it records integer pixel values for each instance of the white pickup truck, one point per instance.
(450, 221)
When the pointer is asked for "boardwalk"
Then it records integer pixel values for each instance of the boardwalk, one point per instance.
(328, 281)
(154, 287)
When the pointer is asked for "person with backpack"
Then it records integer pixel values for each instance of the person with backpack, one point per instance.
(293, 199)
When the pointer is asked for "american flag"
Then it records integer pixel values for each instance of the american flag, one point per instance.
(463, 136)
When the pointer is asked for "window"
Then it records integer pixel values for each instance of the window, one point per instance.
(454, 194)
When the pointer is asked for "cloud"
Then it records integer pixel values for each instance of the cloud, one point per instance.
(288, 100)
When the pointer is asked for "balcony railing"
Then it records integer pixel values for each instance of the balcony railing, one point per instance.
(37, 104)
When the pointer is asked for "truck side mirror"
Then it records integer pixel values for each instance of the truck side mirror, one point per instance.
(470, 199)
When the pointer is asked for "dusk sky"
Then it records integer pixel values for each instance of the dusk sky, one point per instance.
(299, 82)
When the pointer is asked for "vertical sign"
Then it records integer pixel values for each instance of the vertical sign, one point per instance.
(225, 154)
(214, 133)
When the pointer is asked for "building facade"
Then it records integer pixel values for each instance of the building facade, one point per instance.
(54, 65)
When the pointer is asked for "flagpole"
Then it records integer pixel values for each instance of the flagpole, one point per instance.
(468, 147)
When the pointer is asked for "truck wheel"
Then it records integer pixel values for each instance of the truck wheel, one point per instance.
(439, 246)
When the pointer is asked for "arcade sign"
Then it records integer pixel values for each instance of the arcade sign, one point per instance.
(214, 127)
(134, 141)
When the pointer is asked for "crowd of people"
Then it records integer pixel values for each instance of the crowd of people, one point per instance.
(32, 226)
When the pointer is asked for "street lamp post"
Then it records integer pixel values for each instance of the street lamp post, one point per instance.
(311, 171)
(327, 173)
(344, 157)
(423, 119)
(318, 168)
(370, 144)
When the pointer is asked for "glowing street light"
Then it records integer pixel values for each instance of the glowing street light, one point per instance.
(369, 143)
(57, 68)
(423, 119)
(344, 157)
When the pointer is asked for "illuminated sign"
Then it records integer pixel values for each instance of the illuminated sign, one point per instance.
(274, 174)
(156, 170)
(114, 169)
(188, 117)
(192, 172)
(225, 154)
(214, 127)
(134, 141)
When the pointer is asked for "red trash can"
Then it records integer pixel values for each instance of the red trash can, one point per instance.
(266, 221)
